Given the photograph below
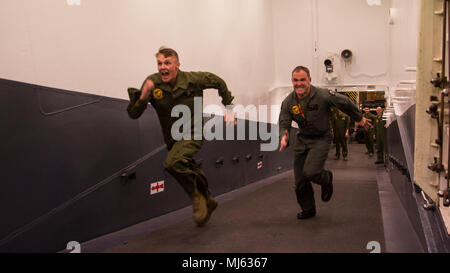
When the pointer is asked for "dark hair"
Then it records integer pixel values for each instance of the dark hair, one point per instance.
(167, 52)
(301, 68)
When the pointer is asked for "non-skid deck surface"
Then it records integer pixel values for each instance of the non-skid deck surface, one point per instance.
(264, 220)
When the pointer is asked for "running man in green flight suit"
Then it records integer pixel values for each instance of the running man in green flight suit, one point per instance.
(168, 88)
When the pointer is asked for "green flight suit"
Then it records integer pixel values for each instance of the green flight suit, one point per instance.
(313, 140)
(341, 125)
(369, 133)
(180, 161)
(380, 132)
(333, 114)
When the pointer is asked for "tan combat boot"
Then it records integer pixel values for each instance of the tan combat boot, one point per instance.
(199, 207)
(211, 205)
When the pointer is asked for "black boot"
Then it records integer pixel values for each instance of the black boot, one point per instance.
(327, 188)
(306, 214)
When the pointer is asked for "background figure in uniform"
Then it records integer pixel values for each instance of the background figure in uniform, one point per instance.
(341, 125)
(165, 90)
(380, 135)
(369, 131)
(333, 113)
(309, 107)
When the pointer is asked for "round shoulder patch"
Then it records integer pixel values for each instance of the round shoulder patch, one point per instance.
(158, 94)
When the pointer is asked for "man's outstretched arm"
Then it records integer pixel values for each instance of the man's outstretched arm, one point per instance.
(139, 99)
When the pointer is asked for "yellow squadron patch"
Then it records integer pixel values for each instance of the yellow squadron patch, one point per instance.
(158, 94)
(295, 110)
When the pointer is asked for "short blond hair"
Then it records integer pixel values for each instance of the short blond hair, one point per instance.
(167, 52)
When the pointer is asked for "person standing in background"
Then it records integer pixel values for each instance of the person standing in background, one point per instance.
(333, 113)
(380, 136)
(341, 126)
(369, 131)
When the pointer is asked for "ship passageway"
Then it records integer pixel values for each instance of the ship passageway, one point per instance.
(261, 218)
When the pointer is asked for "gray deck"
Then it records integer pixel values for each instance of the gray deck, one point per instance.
(262, 218)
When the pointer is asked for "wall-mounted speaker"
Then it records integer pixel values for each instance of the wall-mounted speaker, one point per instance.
(346, 55)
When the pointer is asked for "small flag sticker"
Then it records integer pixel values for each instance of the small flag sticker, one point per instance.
(156, 187)
(260, 164)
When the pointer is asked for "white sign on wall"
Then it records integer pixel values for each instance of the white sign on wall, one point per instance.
(156, 187)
